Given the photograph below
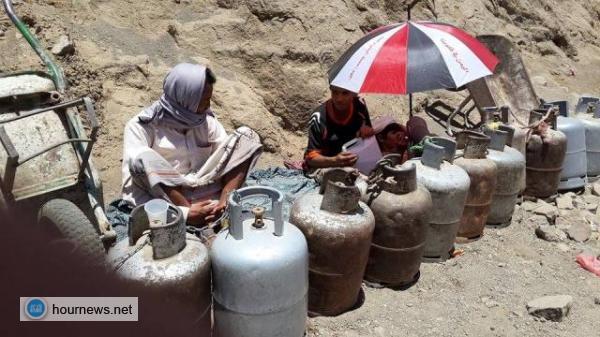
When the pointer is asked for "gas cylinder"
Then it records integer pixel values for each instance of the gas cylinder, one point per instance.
(546, 149)
(573, 174)
(510, 165)
(448, 185)
(338, 228)
(402, 209)
(260, 271)
(482, 172)
(591, 122)
(168, 261)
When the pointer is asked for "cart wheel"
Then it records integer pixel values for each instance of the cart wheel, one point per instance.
(68, 226)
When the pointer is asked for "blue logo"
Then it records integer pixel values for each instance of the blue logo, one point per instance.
(36, 308)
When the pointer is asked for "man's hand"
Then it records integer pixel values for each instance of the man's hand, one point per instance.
(366, 132)
(200, 211)
(216, 212)
(345, 159)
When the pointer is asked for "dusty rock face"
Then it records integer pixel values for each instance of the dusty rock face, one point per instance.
(553, 308)
(272, 57)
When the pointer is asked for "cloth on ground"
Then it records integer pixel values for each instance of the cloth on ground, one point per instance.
(118, 213)
(589, 262)
(292, 183)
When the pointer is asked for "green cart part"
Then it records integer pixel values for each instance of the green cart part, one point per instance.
(54, 71)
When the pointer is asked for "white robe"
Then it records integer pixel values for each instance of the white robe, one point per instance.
(187, 151)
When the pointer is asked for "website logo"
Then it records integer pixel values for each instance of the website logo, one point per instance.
(36, 308)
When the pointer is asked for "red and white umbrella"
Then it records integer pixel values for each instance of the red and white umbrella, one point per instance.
(411, 57)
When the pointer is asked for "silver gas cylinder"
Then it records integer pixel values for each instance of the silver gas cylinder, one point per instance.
(338, 228)
(169, 262)
(260, 271)
(574, 171)
(448, 185)
(591, 122)
(510, 165)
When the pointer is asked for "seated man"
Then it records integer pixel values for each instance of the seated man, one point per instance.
(337, 121)
(417, 133)
(177, 150)
(393, 139)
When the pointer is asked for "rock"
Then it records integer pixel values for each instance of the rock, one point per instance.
(580, 232)
(597, 300)
(529, 205)
(591, 218)
(569, 218)
(540, 33)
(537, 221)
(2, 33)
(564, 202)
(596, 189)
(517, 215)
(591, 199)
(547, 210)
(550, 233)
(64, 46)
(553, 308)
(579, 203)
(547, 48)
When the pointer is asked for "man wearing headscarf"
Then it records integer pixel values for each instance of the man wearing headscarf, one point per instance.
(177, 150)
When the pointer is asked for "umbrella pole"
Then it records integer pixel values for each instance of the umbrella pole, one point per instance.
(410, 102)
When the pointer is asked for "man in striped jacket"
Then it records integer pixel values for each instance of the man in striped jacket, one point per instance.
(337, 121)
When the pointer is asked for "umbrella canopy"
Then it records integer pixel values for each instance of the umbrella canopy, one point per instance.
(412, 57)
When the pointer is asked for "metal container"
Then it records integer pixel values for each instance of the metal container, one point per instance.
(169, 262)
(546, 149)
(402, 209)
(591, 122)
(584, 102)
(338, 228)
(517, 136)
(482, 172)
(260, 272)
(510, 165)
(573, 174)
(448, 185)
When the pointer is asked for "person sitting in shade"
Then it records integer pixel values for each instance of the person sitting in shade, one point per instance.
(392, 137)
(177, 150)
(395, 138)
(340, 119)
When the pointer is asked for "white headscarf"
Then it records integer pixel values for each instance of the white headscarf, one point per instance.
(182, 92)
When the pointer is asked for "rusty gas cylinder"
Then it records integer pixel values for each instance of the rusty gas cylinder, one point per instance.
(510, 165)
(482, 172)
(338, 228)
(448, 185)
(402, 209)
(167, 261)
(546, 150)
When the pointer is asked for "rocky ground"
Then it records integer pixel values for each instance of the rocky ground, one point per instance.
(271, 59)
